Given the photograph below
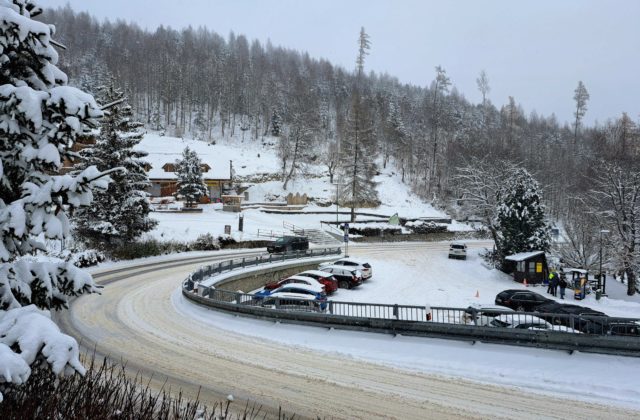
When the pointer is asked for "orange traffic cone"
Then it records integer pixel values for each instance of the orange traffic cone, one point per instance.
(525, 283)
(477, 293)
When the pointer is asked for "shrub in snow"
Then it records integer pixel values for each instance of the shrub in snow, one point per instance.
(206, 242)
(423, 226)
(226, 240)
(375, 231)
(40, 119)
(119, 214)
(520, 218)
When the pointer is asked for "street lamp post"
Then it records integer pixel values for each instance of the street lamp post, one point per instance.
(602, 284)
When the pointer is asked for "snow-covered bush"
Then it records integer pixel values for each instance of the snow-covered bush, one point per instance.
(423, 226)
(206, 242)
(40, 119)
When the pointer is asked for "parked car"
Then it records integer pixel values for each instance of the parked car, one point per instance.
(304, 288)
(347, 277)
(481, 314)
(293, 302)
(297, 279)
(329, 281)
(352, 264)
(458, 250)
(520, 300)
(519, 321)
(288, 244)
(316, 292)
(561, 314)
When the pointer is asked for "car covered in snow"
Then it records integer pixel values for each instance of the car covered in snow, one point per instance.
(352, 264)
(347, 277)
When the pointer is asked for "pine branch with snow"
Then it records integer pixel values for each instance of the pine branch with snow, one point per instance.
(40, 119)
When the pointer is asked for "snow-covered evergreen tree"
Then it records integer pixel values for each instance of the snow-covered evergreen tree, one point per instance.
(190, 184)
(121, 213)
(520, 218)
(40, 118)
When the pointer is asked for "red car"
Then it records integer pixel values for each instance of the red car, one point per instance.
(327, 279)
(297, 279)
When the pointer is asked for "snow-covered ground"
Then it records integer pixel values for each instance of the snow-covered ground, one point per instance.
(419, 276)
(251, 161)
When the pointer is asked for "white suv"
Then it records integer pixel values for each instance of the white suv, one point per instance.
(458, 250)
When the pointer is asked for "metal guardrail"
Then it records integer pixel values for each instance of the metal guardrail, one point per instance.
(244, 262)
(556, 331)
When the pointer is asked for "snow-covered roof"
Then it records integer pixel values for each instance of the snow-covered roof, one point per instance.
(523, 255)
(163, 150)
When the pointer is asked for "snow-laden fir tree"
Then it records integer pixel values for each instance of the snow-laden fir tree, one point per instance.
(40, 118)
(121, 213)
(521, 222)
(189, 172)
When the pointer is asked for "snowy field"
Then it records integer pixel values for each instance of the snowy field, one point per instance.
(188, 226)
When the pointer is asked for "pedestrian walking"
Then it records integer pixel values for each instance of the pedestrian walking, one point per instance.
(563, 284)
(554, 284)
(550, 282)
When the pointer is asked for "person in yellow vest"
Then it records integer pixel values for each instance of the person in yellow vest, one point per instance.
(552, 275)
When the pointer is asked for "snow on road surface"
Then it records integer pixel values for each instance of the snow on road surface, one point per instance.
(314, 371)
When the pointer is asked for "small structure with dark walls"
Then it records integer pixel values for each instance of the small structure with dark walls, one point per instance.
(530, 266)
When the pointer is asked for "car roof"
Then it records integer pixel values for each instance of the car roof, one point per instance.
(300, 277)
(340, 267)
(315, 288)
(486, 306)
(315, 273)
(290, 295)
(349, 259)
(520, 319)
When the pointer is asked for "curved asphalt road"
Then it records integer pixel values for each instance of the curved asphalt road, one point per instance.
(135, 321)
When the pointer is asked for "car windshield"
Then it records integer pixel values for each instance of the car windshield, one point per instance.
(457, 246)
(279, 241)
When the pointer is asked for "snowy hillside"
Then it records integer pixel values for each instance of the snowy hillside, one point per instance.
(257, 167)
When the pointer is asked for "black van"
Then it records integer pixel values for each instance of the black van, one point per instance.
(289, 244)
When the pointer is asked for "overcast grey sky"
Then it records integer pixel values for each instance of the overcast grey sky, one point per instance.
(535, 51)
